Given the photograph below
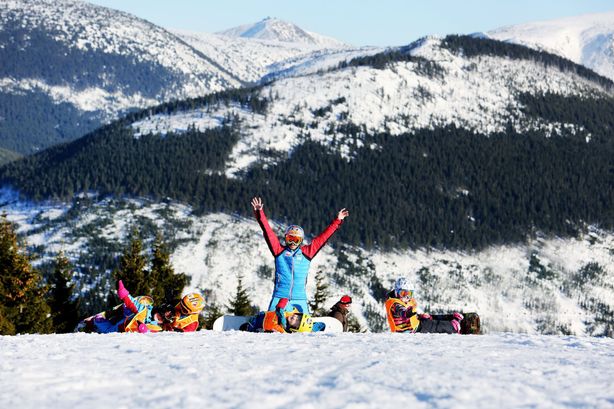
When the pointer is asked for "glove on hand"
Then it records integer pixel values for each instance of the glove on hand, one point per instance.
(121, 291)
(282, 303)
(426, 317)
(142, 328)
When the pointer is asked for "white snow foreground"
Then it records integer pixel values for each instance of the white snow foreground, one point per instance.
(244, 370)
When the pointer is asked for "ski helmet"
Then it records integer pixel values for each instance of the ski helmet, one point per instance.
(192, 304)
(402, 284)
(145, 300)
(306, 324)
(294, 234)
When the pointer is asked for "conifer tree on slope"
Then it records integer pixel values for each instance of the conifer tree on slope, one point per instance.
(64, 306)
(131, 268)
(241, 304)
(320, 296)
(23, 308)
(166, 286)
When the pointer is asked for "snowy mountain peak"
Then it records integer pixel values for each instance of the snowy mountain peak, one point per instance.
(274, 29)
(586, 39)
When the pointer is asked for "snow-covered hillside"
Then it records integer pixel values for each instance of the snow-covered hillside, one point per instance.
(90, 28)
(69, 66)
(551, 285)
(243, 370)
(252, 52)
(480, 94)
(587, 39)
(273, 29)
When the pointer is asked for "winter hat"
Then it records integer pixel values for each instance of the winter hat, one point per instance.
(346, 299)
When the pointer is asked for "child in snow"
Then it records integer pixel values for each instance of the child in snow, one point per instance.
(292, 260)
(136, 314)
(401, 310)
(340, 311)
(283, 321)
(184, 316)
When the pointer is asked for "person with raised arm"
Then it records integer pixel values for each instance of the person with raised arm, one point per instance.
(292, 260)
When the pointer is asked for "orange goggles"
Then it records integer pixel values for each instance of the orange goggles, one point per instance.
(405, 293)
(293, 239)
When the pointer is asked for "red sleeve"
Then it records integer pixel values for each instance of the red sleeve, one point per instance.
(269, 235)
(130, 304)
(310, 250)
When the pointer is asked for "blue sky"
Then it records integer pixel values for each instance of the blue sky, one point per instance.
(358, 22)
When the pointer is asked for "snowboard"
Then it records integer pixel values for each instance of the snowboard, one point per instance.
(469, 325)
(234, 322)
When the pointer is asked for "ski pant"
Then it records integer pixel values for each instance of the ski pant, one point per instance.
(436, 326)
(302, 304)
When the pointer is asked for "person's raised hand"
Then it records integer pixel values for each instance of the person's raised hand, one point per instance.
(257, 203)
(343, 213)
(121, 290)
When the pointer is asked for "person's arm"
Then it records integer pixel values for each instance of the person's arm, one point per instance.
(127, 299)
(310, 250)
(269, 235)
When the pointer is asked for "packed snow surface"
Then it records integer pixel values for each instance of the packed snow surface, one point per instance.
(244, 370)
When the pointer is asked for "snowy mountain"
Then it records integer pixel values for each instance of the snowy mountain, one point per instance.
(586, 40)
(272, 29)
(438, 88)
(69, 66)
(251, 58)
(234, 370)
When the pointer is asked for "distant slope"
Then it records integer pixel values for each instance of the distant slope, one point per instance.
(68, 66)
(273, 29)
(586, 40)
(253, 51)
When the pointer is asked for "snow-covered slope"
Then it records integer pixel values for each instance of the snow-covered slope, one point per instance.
(243, 370)
(540, 287)
(441, 88)
(587, 39)
(96, 61)
(273, 29)
(251, 52)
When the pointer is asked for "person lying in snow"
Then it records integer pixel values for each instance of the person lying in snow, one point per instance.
(138, 314)
(135, 314)
(184, 316)
(283, 321)
(401, 310)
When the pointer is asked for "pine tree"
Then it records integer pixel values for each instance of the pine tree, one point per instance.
(353, 324)
(212, 312)
(321, 295)
(23, 308)
(64, 307)
(241, 304)
(131, 268)
(166, 286)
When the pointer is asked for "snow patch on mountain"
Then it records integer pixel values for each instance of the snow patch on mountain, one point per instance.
(586, 39)
(479, 94)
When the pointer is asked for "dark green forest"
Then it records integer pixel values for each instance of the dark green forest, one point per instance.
(444, 188)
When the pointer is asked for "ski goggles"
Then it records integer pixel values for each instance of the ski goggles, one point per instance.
(293, 240)
(405, 293)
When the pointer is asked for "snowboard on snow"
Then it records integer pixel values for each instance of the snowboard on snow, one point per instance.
(469, 325)
(234, 322)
